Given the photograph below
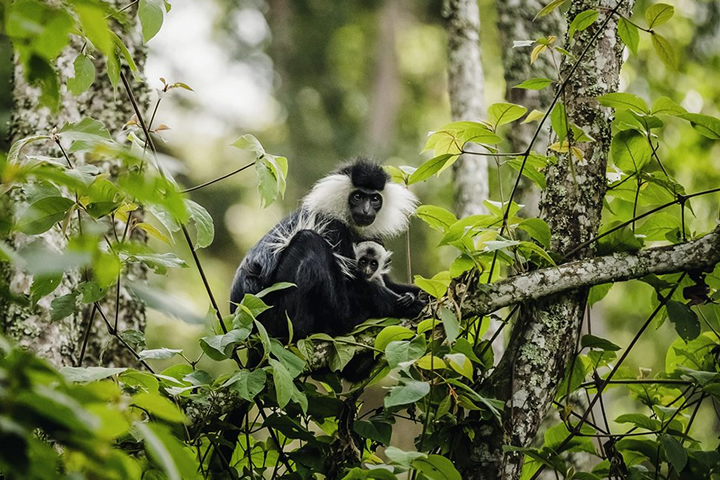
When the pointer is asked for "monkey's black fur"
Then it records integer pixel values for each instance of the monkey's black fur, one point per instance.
(313, 248)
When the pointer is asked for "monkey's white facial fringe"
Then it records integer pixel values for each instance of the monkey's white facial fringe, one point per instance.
(399, 204)
(329, 196)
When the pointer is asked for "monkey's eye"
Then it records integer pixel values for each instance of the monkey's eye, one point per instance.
(362, 261)
(374, 264)
(376, 198)
(357, 196)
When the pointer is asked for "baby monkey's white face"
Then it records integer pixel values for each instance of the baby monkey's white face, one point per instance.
(373, 261)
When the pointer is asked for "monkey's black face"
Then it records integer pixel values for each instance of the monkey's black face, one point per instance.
(367, 266)
(364, 206)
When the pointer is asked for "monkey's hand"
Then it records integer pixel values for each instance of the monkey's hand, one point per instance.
(405, 300)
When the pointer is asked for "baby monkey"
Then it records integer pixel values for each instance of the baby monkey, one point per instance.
(373, 264)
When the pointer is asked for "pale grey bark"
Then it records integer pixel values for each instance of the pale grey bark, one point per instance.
(516, 21)
(467, 102)
(386, 95)
(60, 341)
(701, 254)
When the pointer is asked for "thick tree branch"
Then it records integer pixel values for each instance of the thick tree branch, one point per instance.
(700, 254)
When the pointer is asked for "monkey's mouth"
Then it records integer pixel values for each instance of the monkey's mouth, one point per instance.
(363, 220)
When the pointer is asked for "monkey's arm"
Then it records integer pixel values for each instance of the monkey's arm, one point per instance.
(400, 288)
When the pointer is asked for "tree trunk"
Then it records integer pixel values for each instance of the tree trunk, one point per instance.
(546, 331)
(465, 87)
(386, 96)
(61, 341)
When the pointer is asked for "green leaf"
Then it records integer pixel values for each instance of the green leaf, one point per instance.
(91, 292)
(684, 319)
(164, 449)
(42, 215)
(159, 353)
(249, 143)
(409, 391)
(404, 352)
(436, 217)
(221, 347)
(63, 306)
(430, 168)
(85, 134)
(151, 14)
(203, 224)
(674, 452)
(537, 229)
(461, 364)
(582, 21)
(292, 362)
(436, 286)
(401, 457)
(43, 285)
(624, 101)
(271, 173)
(640, 420)
(284, 386)
(391, 334)
(436, 467)
(158, 406)
(665, 51)
(378, 430)
(88, 374)
(630, 151)
(558, 120)
(591, 341)
(503, 113)
(666, 106)
(629, 34)
(95, 26)
(14, 154)
(84, 75)
(248, 384)
(550, 7)
(534, 84)
(102, 197)
(705, 125)
(450, 324)
(658, 14)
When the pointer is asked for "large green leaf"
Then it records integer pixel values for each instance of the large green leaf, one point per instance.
(503, 113)
(84, 75)
(684, 319)
(706, 125)
(42, 215)
(436, 467)
(624, 101)
(407, 392)
(658, 14)
(247, 383)
(151, 14)
(630, 151)
(204, 225)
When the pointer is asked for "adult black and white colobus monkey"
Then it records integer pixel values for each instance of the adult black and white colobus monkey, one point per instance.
(314, 249)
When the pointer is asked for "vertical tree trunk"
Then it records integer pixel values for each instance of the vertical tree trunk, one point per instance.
(516, 21)
(467, 102)
(386, 95)
(546, 332)
(61, 341)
